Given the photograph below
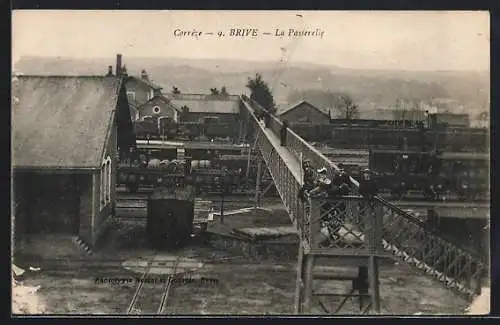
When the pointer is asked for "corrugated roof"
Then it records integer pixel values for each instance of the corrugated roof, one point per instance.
(207, 103)
(61, 121)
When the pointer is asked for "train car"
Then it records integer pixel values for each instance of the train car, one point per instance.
(470, 173)
(153, 129)
(205, 175)
(170, 217)
(434, 175)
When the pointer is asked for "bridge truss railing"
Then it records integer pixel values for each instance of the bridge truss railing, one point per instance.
(286, 181)
(404, 235)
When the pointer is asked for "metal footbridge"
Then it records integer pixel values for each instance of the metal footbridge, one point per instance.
(401, 236)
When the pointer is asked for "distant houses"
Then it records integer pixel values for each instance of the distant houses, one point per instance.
(148, 101)
(139, 90)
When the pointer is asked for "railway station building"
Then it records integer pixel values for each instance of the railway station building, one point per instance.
(66, 135)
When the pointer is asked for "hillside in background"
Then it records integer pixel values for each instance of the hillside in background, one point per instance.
(469, 91)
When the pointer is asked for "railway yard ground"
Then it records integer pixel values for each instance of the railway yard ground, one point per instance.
(209, 279)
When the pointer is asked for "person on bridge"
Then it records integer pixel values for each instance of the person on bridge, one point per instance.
(342, 180)
(267, 119)
(323, 184)
(283, 133)
(308, 180)
(368, 189)
(367, 186)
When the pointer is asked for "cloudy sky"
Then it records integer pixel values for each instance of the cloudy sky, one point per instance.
(361, 39)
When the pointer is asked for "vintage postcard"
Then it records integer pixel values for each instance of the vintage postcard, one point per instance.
(250, 162)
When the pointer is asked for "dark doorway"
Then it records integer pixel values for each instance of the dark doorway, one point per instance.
(54, 201)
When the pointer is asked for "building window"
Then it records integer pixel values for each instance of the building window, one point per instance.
(156, 110)
(130, 95)
(108, 181)
(101, 190)
(105, 194)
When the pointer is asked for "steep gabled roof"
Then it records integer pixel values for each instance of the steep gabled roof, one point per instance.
(61, 121)
(296, 105)
(163, 99)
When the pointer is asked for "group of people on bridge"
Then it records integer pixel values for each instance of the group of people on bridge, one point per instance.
(332, 189)
(338, 185)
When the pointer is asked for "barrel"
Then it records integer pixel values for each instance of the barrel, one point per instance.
(122, 177)
(170, 217)
(154, 163)
(201, 164)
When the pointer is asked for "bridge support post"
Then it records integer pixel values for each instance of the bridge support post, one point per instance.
(365, 282)
(373, 274)
(374, 245)
(249, 156)
(308, 282)
(257, 183)
(299, 283)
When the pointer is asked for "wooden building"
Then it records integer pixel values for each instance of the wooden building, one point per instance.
(199, 107)
(304, 112)
(66, 134)
(453, 119)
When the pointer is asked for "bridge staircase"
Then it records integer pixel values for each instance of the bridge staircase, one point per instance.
(365, 229)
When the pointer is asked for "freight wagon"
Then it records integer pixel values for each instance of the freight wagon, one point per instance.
(435, 175)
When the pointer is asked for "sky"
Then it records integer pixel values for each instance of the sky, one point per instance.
(411, 40)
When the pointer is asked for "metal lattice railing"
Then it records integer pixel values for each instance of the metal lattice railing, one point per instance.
(404, 236)
(408, 239)
(349, 223)
(287, 183)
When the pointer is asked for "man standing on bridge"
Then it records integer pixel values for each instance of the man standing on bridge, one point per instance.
(368, 189)
(283, 133)
(267, 119)
(308, 180)
(367, 186)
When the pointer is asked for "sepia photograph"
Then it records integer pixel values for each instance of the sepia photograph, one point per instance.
(281, 163)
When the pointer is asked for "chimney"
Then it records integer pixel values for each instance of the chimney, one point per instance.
(144, 75)
(118, 65)
(110, 71)
(124, 70)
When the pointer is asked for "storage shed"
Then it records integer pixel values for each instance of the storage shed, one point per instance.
(66, 135)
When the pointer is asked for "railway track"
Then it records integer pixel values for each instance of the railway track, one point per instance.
(249, 197)
(116, 263)
(148, 291)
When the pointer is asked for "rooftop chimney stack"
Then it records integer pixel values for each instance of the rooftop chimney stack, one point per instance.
(118, 65)
(110, 71)
(144, 75)
(124, 70)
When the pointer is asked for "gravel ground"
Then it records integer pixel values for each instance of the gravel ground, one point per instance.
(237, 286)
(233, 288)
